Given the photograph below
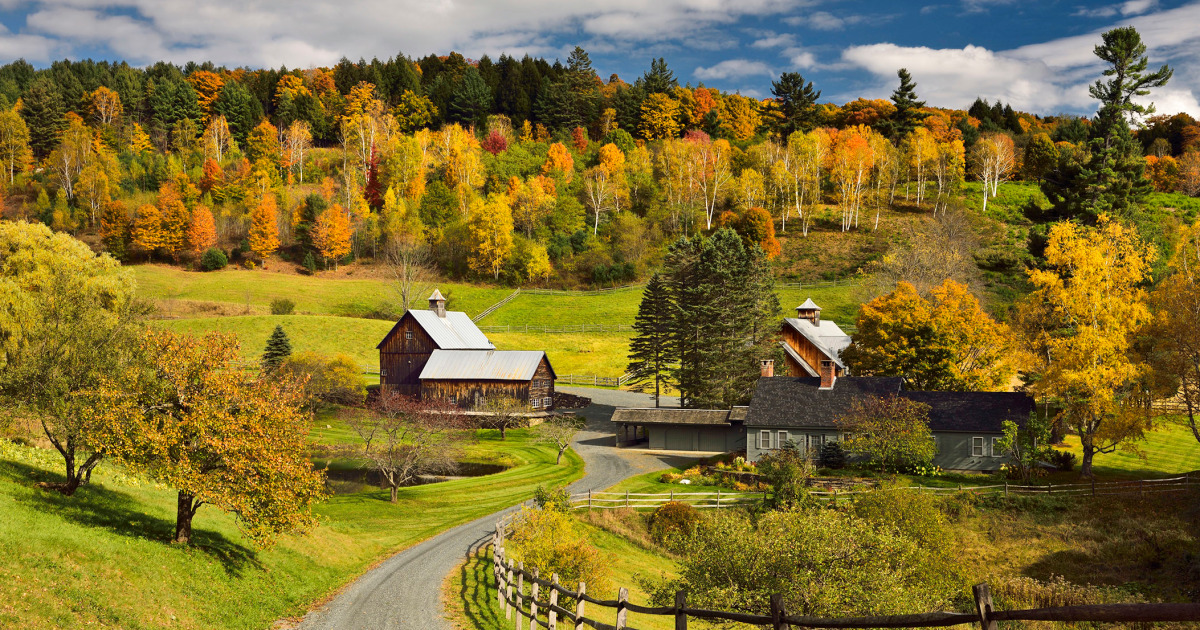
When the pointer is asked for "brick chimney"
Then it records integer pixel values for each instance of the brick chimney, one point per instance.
(828, 374)
(437, 303)
(768, 368)
(810, 311)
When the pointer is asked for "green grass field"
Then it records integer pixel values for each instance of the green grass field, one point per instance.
(1170, 449)
(101, 557)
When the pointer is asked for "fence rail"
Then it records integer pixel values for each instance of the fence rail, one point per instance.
(541, 601)
(593, 380)
(566, 328)
(488, 311)
(636, 500)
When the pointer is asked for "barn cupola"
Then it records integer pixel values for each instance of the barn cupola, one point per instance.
(437, 303)
(810, 311)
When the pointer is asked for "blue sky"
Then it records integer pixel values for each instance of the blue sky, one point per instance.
(1034, 54)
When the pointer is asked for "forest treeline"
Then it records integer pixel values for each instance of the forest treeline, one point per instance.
(514, 170)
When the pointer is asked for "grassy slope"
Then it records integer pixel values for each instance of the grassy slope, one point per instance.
(470, 593)
(1168, 450)
(100, 557)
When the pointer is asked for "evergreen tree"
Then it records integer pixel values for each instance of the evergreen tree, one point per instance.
(241, 110)
(279, 347)
(650, 351)
(658, 79)
(581, 78)
(797, 104)
(907, 115)
(471, 100)
(1109, 179)
(42, 109)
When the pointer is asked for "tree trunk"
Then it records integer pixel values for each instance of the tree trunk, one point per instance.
(503, 428)
(395, 492)
(185, 509)
(1089, 452)
(560, 454)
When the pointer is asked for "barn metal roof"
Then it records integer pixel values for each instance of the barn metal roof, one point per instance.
(808, 305)
(455, 331)
(482, 365)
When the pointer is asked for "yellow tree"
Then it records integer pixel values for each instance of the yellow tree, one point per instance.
(262, 145)
(950, 169)
(146, 233)
(1084, 312)
(559, 162)
(532, 202)
(414, 111)
(740, 115)
(1176, 325)
(679, 175)
(981, 344)
(71, 155)
(174, 218)
(748, 189)
(14, 143)
(922, 151)
(105, 105)
(139, 140)
(297, 140)
(490, 225)
(599, 188)
(202, 230)
(994, 159)
(613, 160)
(853, 160)
(713, 173)
(264, 228)
(190, 418)
(217, 138)
(97, 180)
(660, 117)
(331, 234)
(886, 172)
(207, 86)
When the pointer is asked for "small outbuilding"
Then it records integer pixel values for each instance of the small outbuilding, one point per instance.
(673, 429)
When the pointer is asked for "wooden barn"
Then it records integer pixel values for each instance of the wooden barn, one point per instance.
(440, 354)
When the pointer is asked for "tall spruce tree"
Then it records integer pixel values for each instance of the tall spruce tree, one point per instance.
(1108, 179)
(797, 104)
(471, 100)
(651, 353)
(42, 109)
(279, 347)
(908, 114)
(724, 304)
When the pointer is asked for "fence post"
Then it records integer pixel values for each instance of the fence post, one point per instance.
(552, 615)
(626, 498)
(680, 617)
(1093, 486)
(672, 495)
(517, 603)
(777, 613)
(718, 498)
(589, 499)
(533, 593)
(500, 581)
(835, 497)
(622, 612)
(508, 588)
(579, 606)
(983, 605)
(1006, 489)
(1141, 484)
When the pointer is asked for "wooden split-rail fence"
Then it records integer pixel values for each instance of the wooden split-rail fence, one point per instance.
(531, 601)
(640, 500)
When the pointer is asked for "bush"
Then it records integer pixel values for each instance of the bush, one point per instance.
(310, 264)
(669, 477)
(213, 259)
(556, 499)
(282, 306)
(249, 264)
(333, 380)
(1063, 460)
(672, 522)
(833, 456)
(551, 541)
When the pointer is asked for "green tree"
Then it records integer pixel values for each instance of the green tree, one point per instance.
(659, 79)
(787, 470)
(907, 115)
(279, 347)
(1040, 156)
(1026, 446)
(892, 431)
(67, 318)
(650, 350)
(797, 102)
(42, 109)
(471, 100)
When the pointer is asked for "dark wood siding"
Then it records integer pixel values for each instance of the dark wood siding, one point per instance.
(469, 394)
(401, 359)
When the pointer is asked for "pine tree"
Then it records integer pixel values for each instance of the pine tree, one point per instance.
(42, 109)
(471, 100)
(279, 347)
(797, 104)
(908, 114)
(650, 351)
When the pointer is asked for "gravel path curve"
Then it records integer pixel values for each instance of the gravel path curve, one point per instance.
(404, 592)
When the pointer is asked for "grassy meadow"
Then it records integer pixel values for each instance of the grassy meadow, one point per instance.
(1169, 449)
(101, 557)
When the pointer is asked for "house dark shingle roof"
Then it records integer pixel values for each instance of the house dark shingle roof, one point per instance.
(799, 402)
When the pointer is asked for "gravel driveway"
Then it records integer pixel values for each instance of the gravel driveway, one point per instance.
(404, 592)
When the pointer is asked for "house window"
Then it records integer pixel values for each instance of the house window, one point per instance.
(780, 439)
(533, 402)
(408, 334)
(996, 450)
(547, 401)
(976, 447)
(764, 439)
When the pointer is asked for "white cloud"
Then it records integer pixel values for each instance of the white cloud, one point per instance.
(734, 68)
(1126, 9)
(800, 58)
(781, 40)
(1045, 78)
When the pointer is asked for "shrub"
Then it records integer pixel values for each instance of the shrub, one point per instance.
(213, 259)
(555, 499)
(551, 541)
(1063, 460)
(833, 456)
(913, 513)
(788, 470)
(249, 264)
(672, 522)
(669, 477)
(331, 380)
(282, 306)
(310, 264)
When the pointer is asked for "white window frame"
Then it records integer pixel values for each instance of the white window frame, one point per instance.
(764, 439)
(453, 399)
(781, 438)
(977, 447)
(995, 451)
(547, 402)
(533, 401)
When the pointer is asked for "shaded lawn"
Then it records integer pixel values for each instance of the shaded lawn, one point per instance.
(1169, 450)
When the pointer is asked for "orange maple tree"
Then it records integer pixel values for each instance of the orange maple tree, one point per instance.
(264, 228)
(331, 234)
(202, 230)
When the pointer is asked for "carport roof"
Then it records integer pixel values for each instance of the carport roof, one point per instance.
(651, 415)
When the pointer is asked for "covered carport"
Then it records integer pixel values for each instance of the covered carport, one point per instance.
(671, 429)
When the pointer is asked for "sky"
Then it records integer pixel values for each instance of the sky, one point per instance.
(1033, 54)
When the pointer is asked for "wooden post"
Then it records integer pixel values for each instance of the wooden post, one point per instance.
(533, 593)
(718, 498)
(579, 606)
(835, 497)
(1093, 486)
(589, 499)
(680, 604)
(1006, 489)
(517, 601)
(626, 498)
(552, 615)
(622, 612)
(672, 494)
(778, 613)
(983, 605)
(1141, 484)
(499, 569)
(508, 589)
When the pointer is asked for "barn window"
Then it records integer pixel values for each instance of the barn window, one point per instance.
(383, 371)
(997, 451)
(764, 439)
(453, 400)
(976, 447)
(408, 334)
(533, 401)
(547, 401)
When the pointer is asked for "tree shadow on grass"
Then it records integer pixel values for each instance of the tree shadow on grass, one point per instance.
(476, 600)
(95, 505)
